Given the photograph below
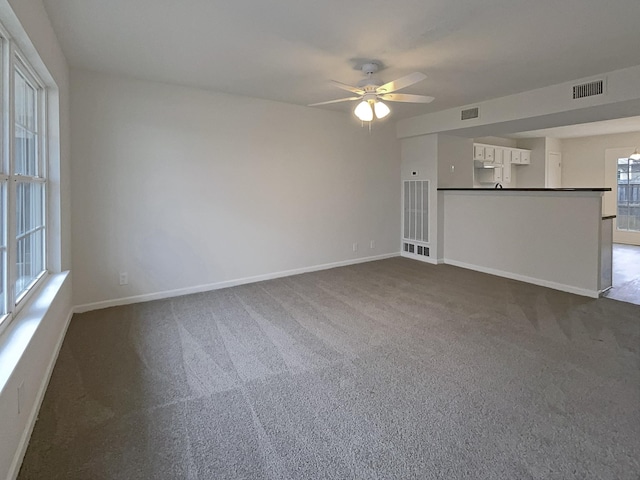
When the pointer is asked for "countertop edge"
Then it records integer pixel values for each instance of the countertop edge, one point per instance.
(599, 189)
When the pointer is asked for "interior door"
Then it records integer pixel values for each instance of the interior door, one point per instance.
(554, 170)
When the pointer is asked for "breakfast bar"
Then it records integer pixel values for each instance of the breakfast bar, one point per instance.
(553, 237)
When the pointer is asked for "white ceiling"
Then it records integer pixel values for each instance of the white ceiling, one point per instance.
(619, 125)
(287, 50)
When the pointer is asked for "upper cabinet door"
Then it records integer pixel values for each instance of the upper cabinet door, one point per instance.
(488, 154)
(515, 156)
(478, 152)
(525, 157)
(498, 155)
(506, 156)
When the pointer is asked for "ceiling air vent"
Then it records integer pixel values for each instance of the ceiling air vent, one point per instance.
(588, 89)
(470, 113)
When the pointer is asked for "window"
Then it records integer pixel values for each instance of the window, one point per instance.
(22, 183)
(628, 216)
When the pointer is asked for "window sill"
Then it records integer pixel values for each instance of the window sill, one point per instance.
(15, 339)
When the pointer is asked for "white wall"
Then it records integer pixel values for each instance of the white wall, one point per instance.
(455, 162)
(29, 26)
(583, 159)
(549, 239)
(184, 188)
(591, 161)
(500, 141)
(532, 175)
(420, 154)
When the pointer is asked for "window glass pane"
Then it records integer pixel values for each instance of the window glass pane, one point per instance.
(3, 248)
(29, 233)
(628, 215)
(26, 161)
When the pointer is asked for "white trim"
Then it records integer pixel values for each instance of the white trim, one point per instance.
(421, 258)
(523, 278)
(87, 307)
(14, 469)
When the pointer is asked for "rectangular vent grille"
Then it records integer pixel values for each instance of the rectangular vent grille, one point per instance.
(416, 210)
(416, 249)
(588, 89)
(470, 113)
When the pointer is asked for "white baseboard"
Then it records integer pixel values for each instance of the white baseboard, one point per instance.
(523, 278)
(87, 307)
(422, 258)
(35, 408)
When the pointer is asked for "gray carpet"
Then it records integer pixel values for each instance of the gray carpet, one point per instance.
(386, 370)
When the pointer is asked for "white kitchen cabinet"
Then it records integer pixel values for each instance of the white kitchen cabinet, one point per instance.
(506, 172)
(489, 154)
(506, 155)
(478, 152)
(525, 157)
(515, 157)
(491, 175)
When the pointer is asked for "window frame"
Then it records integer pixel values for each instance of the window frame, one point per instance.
(629, 161)
(14, 62)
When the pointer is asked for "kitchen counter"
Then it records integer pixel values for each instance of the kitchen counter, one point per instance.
(598, 189)
(553, 237)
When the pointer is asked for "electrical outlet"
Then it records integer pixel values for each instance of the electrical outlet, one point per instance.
(372, 244)
(355, 246)
(124, 278)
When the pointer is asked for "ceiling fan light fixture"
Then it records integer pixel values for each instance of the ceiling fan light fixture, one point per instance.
(364, 111)
(381, 110)
(635, 155)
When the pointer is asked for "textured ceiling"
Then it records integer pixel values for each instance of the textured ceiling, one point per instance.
(287, 50)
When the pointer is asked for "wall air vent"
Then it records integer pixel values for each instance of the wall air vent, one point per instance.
(470, 113)
(588, 89)
(415, 249)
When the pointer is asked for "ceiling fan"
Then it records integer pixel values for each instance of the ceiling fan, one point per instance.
(371, 93)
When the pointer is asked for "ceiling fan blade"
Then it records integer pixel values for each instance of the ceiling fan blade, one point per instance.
(406, 97)
(333, 101)
(348, 88)
(401, 82)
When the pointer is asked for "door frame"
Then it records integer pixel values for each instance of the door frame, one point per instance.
(610, 201)
(547, 170)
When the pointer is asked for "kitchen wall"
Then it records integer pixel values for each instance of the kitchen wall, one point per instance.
(533, 175)
(591, 162)
(583, 160)
(455, 162)
(499, 141)
(188, 189)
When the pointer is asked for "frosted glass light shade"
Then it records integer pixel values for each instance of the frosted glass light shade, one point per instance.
(635, 155)
(381, 110)
(364, 112)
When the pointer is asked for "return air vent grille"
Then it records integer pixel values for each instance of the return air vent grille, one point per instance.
(416, 210)
(416, 249)
(470, 113)
(588, 89)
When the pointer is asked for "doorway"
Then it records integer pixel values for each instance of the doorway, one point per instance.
(626, 274)
(622, 175)
(553, 172)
